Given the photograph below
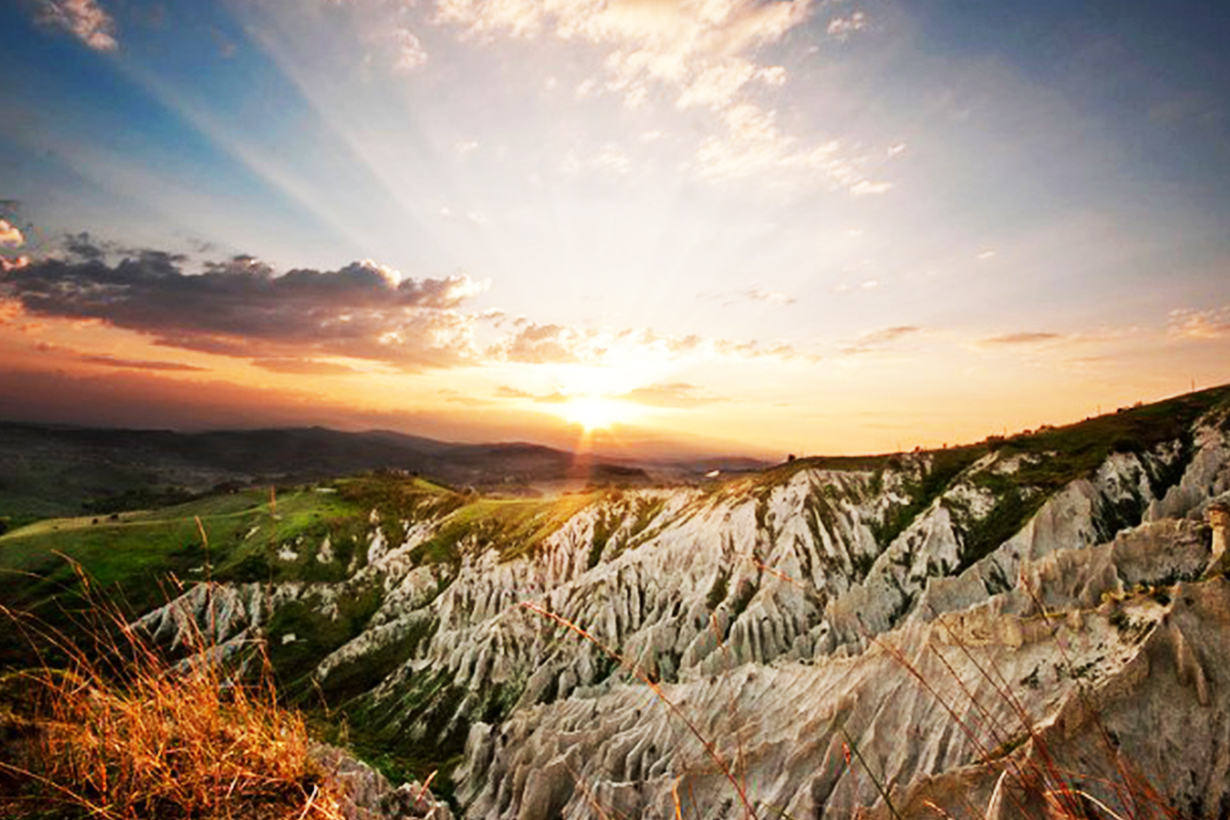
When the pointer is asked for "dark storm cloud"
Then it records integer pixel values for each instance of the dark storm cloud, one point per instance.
(85, 247)
(242, 307)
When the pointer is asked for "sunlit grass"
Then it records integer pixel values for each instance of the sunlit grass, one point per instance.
(123, 735)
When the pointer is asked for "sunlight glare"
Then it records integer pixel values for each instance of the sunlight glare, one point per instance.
(595, 412)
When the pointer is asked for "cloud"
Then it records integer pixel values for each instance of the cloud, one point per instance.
(753, 144)
(242, 307)
(704, 52)
(408, 52)
(879, 339)
(381, 25)
(506, 392)
(772, 297)
(1020, 338)
(986, 254)
(465, 147)
(139, 364)
(560, 344)
(609, 159)
(840, 28)
(864, 187)
(552, 398)
(1202, 325)
(473, 217)
(674, 395)
(718, 86)
(84, 19)
(10, 309)
(10, 235)
(466, 401)
(307, 367)
(540, 344)
(696, 47)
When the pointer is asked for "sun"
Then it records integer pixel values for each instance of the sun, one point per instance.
(594, 412)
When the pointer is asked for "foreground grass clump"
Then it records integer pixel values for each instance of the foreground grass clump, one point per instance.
(127, 736)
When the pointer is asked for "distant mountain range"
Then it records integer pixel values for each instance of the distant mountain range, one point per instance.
(62, 470)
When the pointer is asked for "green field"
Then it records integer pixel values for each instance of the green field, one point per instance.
(138, 560)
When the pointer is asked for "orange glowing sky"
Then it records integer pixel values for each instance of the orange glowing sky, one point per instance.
(758, 226)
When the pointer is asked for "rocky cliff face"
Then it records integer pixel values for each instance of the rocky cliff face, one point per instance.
(936, 627)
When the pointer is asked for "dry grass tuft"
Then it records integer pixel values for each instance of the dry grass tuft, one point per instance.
(122, 734)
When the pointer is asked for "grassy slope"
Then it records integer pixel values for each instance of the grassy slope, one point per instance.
(139, 559)
(1052, 457)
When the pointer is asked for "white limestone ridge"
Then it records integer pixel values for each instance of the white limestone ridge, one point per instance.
(951, 642)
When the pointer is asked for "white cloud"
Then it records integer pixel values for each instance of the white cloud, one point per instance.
(754, 145)
(840, 28)
(84, 19)
(383, 25)
(408, 51)
(984, 255)
(718, 86)
(10, 235)
(896, 149)
(772, 297)
(694, 46)
(465, 147)
(705, 52)
(561, 344)
(865, 187)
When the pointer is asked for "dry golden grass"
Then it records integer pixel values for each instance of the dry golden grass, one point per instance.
(121, 734)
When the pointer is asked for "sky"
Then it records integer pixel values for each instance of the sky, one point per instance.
(741, 226)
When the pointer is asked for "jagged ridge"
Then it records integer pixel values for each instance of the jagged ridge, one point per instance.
(749, 593)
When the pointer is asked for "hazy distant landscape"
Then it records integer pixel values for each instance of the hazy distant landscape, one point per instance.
(58, 471)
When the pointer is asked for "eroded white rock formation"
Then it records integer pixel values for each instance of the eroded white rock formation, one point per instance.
(834, 637)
